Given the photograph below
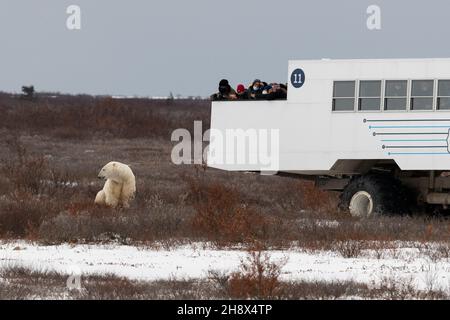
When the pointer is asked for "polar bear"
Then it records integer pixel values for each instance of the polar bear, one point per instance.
(120, 186)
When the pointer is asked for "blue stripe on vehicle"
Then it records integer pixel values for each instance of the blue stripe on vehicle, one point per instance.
(406, 127)
(409, 120)
(417, 153)
(414, 147)
(409, 133)
(414, 140)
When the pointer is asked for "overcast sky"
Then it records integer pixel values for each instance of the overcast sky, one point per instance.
(149, 48)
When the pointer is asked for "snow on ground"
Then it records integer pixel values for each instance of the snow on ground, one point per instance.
(194, 261)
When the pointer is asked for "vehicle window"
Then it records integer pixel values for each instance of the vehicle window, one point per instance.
(443, 101)
(344, 96)
(395, 95)
(369, 95)
(422, 95)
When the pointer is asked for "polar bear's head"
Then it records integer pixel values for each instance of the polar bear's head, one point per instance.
(110, 171)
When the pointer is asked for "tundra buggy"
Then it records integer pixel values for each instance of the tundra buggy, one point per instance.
(378, 131)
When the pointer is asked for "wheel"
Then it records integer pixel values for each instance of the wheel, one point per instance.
(361, 204)
(371, 195)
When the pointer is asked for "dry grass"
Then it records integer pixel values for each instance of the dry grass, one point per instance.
(185, 203)
(18, 283)
(82, 117)
(54, 147)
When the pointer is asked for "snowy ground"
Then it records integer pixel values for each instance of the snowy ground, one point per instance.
(405, 265)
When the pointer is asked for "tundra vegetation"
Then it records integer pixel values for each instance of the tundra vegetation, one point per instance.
(53, 145)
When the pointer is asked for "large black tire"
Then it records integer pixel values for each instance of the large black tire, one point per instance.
(375, 194)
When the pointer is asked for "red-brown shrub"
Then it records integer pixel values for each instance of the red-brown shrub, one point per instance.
(21, 214)
(257, 278)
(316, 199)
(221, 215)
(26, 172)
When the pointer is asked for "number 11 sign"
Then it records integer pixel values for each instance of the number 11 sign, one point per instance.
(298, 78)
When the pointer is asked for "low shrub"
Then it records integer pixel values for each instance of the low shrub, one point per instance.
(258, 277)
(222, 216)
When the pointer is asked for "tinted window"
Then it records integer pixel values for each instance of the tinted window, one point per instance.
(369, 95)
(344, 89)
(422, 104)
(396, 88)
(344, 96)
(422, 88)
(369, 104)
(419, 90)
(444, 103)
(444, 88)
(370, 89)
(395, 95)
(391, 104)
(344, 104)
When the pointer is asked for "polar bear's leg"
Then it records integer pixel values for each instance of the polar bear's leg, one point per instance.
(124, 200)
(112, 193)
(100, 198)
(111, 201)
(109, 195)
(128, 193)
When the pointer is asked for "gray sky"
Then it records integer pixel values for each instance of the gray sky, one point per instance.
(150, 48)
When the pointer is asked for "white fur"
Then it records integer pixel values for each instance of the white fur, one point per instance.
(120, 186)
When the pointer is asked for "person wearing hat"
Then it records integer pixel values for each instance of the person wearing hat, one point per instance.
(226, 92)
(256, 88)
(242, 92)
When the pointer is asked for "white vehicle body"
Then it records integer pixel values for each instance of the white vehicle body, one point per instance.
(313, 138)
(343, 119)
